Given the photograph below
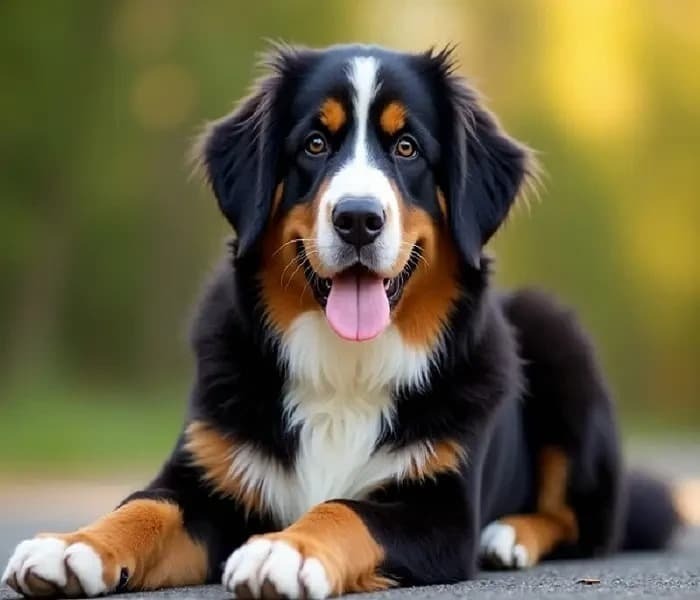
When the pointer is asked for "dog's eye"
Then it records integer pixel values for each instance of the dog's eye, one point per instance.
(315, 144)
(406, 147)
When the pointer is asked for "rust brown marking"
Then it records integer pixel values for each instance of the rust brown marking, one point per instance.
(332, 115)
(212, 452)
(446, 455)
(432, 290)
(393, 117)
(148, 538)
(285, 291)
(337, 537)
(553, 473)
(538, 533)
(554, 522)
(276, 199)
(442, 203)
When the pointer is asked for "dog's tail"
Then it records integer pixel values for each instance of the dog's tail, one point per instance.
(656, 510)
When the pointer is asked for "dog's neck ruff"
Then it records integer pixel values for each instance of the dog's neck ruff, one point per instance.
(316, 359)
(338, 400)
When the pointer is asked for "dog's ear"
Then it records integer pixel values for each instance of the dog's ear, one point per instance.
(483, 169)
(241, 153)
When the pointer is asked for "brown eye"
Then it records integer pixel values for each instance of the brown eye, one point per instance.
(315, 144)
(406, 147)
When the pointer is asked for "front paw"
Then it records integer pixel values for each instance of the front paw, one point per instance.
(49, 566)
(272, 568)
(499, 548)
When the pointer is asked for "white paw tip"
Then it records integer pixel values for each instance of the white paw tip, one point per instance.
(45, 560)
(87, 566)
(498, 547)
(521, 556)
(262, 564)
(281, 569)
(244, 564)
(38, 568)
(314, 578)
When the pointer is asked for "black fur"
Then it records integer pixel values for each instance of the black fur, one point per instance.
(241, 155)
(516, 373)
(483, 168)
(651, 516)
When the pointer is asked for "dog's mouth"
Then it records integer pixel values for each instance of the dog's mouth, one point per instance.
(357, 301)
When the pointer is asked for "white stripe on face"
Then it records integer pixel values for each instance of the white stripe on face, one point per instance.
(360, 178)
(363, 77)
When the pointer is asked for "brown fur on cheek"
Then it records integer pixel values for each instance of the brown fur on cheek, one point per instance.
(337, 537)
(148, 538)
(285, 291)
(433, 288)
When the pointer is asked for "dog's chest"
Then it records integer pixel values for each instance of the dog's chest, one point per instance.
(338, 399)
(336, 454)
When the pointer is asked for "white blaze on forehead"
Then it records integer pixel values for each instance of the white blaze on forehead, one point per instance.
(359, 177)
(363, 77)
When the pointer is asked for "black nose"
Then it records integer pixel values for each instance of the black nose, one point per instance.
(358, 220)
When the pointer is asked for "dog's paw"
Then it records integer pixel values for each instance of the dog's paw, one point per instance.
(499, 548)
(49, 566)
(268, 568)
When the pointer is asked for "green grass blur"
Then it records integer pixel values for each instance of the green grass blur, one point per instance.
(83, 430)
(106, 238)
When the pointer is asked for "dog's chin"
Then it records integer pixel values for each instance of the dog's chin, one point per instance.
(357, 301)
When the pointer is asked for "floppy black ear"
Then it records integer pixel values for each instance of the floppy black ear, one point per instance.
(483, 168)
(241, 152)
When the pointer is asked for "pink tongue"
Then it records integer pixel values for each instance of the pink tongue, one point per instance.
(357, 307)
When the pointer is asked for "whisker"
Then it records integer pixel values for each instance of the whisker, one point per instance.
(295, 259)
(313, 277)
(291, 277)
(310, 245)
(294, 241)
(419, 256)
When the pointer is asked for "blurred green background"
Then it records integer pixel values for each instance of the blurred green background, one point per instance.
(106, 238)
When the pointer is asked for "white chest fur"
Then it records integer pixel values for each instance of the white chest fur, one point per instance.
(339, 397)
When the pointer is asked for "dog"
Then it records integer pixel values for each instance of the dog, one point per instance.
(368, 411)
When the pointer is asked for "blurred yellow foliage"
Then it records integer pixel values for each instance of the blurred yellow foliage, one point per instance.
(588, 67)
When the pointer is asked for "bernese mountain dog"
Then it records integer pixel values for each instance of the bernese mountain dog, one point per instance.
(367, 411)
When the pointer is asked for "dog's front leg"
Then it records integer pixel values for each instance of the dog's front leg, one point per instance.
(426, 535)
(141, 545)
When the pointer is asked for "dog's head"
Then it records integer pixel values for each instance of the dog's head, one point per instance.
(364, 181)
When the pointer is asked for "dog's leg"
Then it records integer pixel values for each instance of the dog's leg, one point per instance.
(141, 545)
(342, 546)
(568, 405)
(328, 551)
(519, 541)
